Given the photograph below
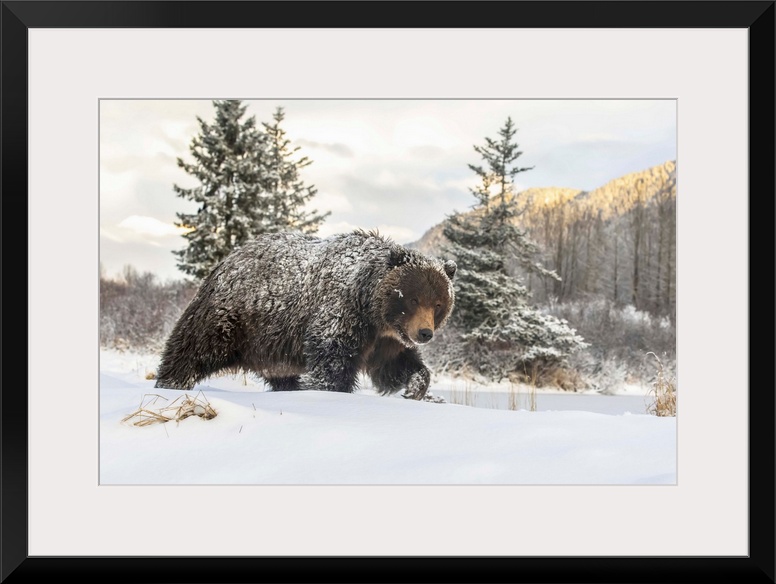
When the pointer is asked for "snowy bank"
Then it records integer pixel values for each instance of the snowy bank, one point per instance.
(315, 437)
(311, 437)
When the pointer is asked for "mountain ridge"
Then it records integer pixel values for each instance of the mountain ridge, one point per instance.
(612, 199)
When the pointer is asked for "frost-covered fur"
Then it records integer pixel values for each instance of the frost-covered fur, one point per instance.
(311, 313)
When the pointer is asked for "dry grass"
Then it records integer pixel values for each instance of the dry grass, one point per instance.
(663, 393)
(560, 377)
(150, 375)
(530, 378)
(512, 398)
(179, 409)
(532, 391)
(465, 397)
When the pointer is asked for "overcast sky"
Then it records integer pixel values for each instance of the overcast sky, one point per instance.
(396, 165)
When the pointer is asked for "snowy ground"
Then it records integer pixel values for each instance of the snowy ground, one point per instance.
(261, 437)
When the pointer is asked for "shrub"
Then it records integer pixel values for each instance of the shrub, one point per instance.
(138, 312)
(663, 392)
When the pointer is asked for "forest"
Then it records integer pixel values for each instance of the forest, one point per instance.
(614, 250)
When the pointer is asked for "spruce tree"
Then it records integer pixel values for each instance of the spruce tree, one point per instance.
(497, 332)
(287, 195)
(249, 184)
(227, 163)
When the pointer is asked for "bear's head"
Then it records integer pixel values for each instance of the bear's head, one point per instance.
(416, 296)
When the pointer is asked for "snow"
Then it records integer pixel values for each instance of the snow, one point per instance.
(317, 437)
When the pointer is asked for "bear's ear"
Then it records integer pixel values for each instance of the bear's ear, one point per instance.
(398, 256)
(450, 268)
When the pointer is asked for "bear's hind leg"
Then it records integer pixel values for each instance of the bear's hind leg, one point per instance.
(184, 373)
(176, 372)
(183, 365)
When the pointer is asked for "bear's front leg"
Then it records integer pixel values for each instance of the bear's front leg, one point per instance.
(417, 385)
(331, 366)
(333, 378)
(404, 371)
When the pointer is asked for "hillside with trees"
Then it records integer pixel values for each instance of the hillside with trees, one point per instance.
(614, 252)
(495, 332)
(617, 241)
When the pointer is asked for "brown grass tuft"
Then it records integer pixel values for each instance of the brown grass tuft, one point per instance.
(663, 393)
(179, 409)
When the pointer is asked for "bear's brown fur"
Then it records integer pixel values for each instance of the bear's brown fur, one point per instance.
(310, 313)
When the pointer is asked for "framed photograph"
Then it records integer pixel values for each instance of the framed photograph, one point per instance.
(83, 87)
(363, 228)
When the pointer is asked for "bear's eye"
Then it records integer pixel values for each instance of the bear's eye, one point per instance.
(414, 301)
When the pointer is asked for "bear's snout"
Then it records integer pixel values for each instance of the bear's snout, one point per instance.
(425, 335)
(420, 326)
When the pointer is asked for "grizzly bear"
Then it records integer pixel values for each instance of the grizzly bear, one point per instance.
(309, 313)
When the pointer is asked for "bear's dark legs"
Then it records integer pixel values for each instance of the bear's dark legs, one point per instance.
(334, 377)
(190, 357)
(406, 370)
(331, 366)
(176, 372)
(284, 383)
(417, 386)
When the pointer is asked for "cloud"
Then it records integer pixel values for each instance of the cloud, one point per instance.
(328, 201)
(110, 235)
(156, 163)
(398, 233)
(143, 225)
(593, 138)
(330, 228)
(142, 255)
(427, 152)
(336, 148)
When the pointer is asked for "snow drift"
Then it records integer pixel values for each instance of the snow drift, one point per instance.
(316, 437)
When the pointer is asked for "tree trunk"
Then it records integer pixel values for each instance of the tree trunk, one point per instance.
(615, 265)
(559, 257)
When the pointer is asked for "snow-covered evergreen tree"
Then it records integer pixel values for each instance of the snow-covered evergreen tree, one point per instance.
(249, 184)
(496, 331)
(287, 194)
(228, 165)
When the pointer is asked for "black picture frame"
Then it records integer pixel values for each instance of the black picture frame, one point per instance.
(17, 566)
